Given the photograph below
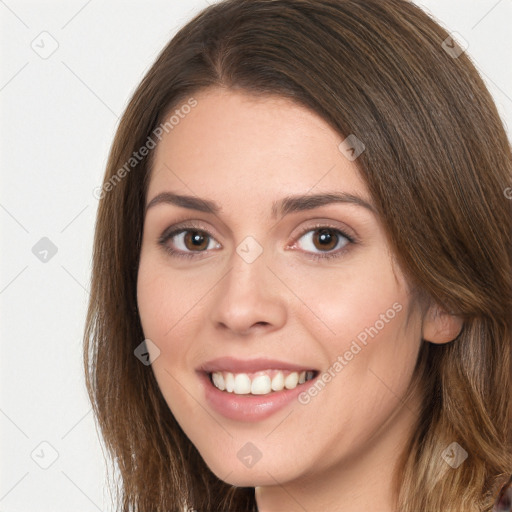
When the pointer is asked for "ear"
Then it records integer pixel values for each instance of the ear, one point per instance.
(439, 326)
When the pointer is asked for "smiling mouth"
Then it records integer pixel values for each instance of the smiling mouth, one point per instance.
(261, 382)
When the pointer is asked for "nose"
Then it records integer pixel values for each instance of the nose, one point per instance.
(249, 299)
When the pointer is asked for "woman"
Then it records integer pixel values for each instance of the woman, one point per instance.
(301, 287)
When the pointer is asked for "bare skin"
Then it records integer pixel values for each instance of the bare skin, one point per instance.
(335, 451)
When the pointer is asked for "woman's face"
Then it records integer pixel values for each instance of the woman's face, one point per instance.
(269, 286)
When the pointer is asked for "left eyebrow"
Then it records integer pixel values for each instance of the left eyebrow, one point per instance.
(299, 203)
(286, 205)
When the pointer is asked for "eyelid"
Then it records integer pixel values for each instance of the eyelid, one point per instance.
(185, 226)
(317, 224)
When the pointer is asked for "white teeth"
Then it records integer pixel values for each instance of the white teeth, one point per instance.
(218, 381)
(262, 383)
(242, 384)
(230, 382)
(278, 382)
(291, 380)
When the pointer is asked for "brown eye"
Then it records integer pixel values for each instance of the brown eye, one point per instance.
(325, 239)
(324, 242)
(196, 240)
(188, 242)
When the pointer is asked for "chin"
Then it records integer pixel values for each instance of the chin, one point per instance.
(246, 478)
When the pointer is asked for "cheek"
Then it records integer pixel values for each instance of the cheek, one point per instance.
(358, 317)
(343, 301)
(167, 300)
(170, 310)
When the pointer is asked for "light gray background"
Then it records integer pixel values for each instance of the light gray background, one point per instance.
(59, 113)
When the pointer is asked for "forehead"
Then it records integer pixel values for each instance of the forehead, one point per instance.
(235, 143)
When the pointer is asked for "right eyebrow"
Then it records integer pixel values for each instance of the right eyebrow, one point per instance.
(190, 202)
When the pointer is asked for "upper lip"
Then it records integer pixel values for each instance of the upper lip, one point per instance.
(234, 365)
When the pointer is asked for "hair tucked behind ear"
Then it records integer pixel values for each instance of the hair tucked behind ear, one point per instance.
(437, 162)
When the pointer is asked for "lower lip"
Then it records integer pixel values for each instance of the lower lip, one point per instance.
(249, 408)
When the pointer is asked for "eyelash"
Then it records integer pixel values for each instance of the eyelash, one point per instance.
(191, 227)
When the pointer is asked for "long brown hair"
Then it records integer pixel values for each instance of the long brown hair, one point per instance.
(437, 162)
